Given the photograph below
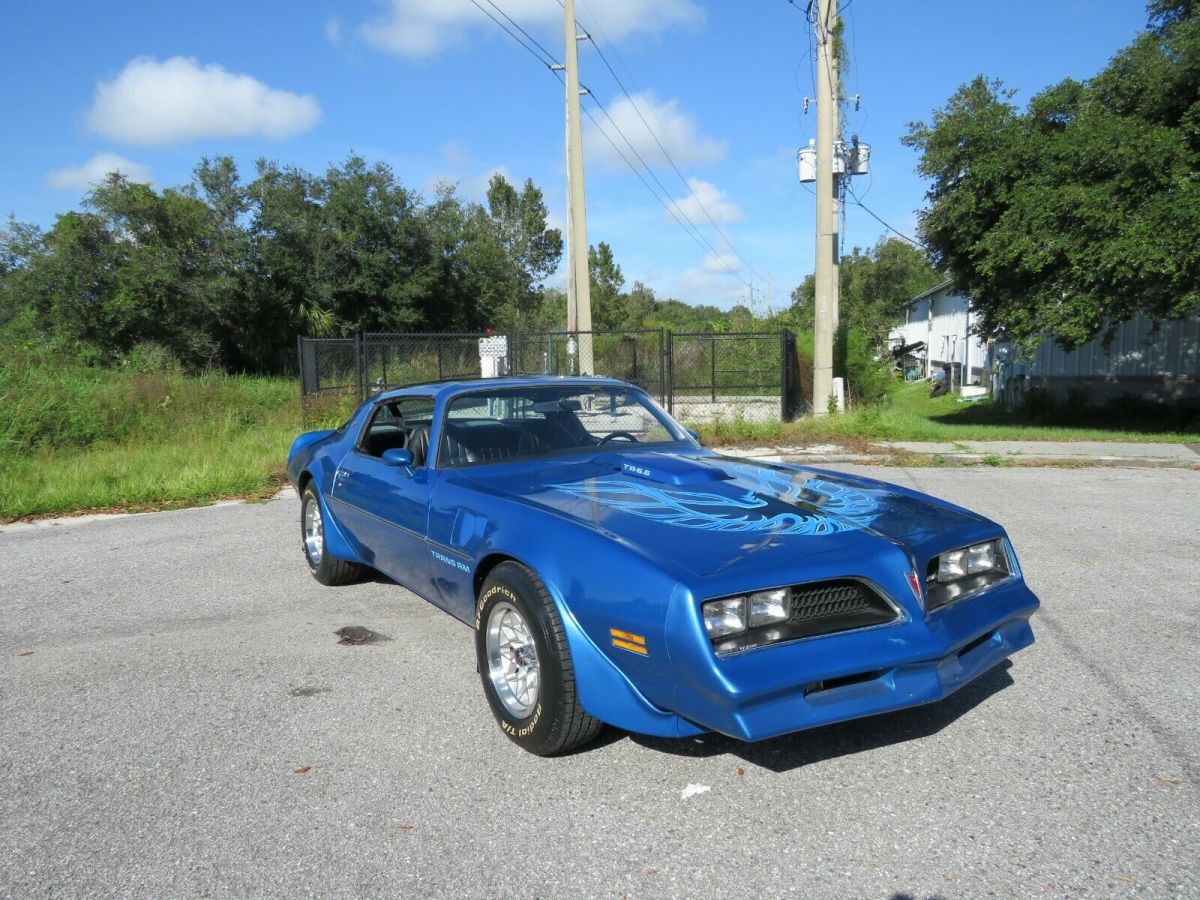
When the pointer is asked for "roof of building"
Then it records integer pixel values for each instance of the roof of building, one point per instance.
(933, 290)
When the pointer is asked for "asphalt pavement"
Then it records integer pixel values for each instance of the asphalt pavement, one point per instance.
(1125, 454)
(177, 719)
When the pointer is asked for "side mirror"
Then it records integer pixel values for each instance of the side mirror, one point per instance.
(398, 456)
(695, 436)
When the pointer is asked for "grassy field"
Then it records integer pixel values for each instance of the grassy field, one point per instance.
(84, 439)
(75, 439)
(911, 415)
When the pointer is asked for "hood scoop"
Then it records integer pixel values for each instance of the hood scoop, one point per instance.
(662, 469)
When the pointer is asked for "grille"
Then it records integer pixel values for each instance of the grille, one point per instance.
(832, 606)
(824, 607)
(829, 599)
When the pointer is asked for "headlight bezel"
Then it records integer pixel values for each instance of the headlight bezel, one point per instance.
(957, 574)
(798, 624)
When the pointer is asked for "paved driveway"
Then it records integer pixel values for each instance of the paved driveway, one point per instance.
(184, 667)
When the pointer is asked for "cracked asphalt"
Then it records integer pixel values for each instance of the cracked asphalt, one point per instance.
(177, 719)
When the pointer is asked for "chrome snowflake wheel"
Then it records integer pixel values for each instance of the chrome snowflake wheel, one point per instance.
(512, 660)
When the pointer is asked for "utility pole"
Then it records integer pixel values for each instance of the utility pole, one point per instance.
(579, 291)
(826, 275)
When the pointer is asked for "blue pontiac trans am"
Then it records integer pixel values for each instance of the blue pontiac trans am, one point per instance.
(617, 572)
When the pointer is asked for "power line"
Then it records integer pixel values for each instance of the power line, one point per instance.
(662, 187)
(870, 213)
(548, 61)
(708, 215)
(677, 214)
(530, 37)
(666, 153)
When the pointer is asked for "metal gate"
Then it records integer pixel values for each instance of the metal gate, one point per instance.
(699, 377)
(635, 356)
(722, 377)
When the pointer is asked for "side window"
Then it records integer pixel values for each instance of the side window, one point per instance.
(393, 423)
(415, 410)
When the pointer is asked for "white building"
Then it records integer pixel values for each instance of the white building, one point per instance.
(1155, 360)
(941, 319)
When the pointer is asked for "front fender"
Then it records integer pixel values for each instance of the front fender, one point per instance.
(597, 587)
(337, 541)
(607, 694)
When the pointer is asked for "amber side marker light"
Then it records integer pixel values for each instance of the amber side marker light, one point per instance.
(635, 643)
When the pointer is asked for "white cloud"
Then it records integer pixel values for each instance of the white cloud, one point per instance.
(95, 170)
(333, 30)
(456, 153)
(676, 130)
(471, 187)
(703, 196)
(422, 28)
(179, 100)
(703, 284)
(721, 262)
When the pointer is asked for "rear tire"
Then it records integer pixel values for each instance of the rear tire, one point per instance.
(327, 569)
(525, 664)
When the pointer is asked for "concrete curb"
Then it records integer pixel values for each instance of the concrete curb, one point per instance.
(88, 518)
(900, 459)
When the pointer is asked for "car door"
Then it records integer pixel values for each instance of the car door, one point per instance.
(387, 506)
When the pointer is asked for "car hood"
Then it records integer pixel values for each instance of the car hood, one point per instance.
(706, 513)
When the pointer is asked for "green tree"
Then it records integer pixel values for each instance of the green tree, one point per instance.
(221, 272)
(344, 252)
(513, 251)
(135, 266)
(874, 286)
(609, 310)
(1084, 208)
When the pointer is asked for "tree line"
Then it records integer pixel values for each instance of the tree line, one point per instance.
(1057, 220)
(1071, 215)
(224, 273)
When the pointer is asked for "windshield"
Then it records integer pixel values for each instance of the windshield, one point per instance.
(523, 422)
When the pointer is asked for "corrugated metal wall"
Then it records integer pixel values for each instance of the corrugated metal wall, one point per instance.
(1141, 347)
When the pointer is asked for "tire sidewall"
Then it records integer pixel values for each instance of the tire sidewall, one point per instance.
(513, 585)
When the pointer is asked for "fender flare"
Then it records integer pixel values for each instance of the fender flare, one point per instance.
(603, 689)
(336, 542)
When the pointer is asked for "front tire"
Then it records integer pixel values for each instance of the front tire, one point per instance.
(327, 569)
(525, 664)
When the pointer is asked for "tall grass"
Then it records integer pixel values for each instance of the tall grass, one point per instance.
(910, 414)
(75, 438)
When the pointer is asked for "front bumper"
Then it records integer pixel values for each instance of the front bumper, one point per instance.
(775, 690)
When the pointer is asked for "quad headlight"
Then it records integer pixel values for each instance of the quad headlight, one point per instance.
(810, 609)
(956, 573)
(734, 614)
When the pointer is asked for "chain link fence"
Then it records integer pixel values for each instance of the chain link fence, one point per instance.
(330, 379)
(638, 357)
(732, 377)
(699, 377)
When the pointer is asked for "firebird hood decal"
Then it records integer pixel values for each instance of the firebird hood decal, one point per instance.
(821, 507)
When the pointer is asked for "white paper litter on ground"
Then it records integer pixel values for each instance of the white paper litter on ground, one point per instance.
(693, 789)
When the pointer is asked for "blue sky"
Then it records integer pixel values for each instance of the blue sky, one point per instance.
(436, 90)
